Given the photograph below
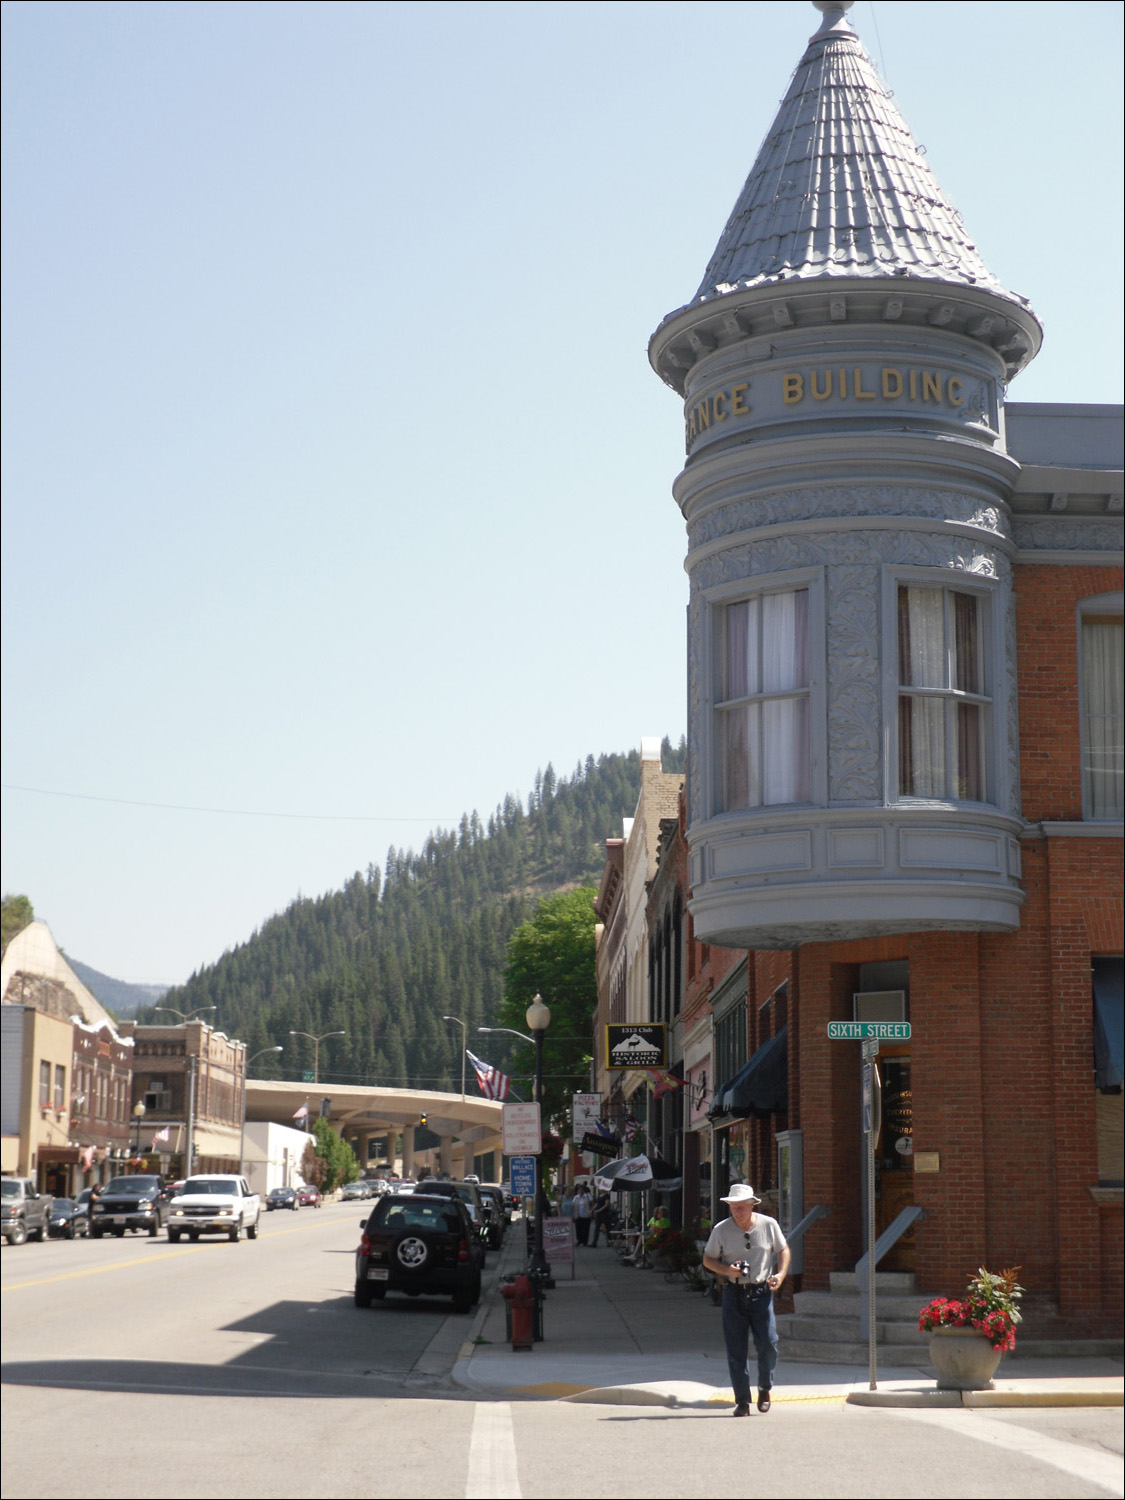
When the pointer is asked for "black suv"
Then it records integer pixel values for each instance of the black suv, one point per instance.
(480, 1210)
(137, 1202)
(420, 1244)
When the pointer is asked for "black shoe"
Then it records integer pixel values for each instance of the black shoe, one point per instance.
(742, 1409)
(763, 1400)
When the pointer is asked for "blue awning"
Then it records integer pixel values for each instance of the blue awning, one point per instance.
(761, 1087)
(1109, 1023)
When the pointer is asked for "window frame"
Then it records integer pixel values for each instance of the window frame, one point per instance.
(1100, 606)
(990, 701)
(718, 600)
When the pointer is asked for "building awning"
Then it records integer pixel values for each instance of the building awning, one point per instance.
(1109, 1023)
(761, 1087)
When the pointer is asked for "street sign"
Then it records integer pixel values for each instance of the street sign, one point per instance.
(857, 1031)
(523, 1135)
(523, 1176)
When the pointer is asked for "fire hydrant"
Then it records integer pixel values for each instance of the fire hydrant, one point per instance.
(520, 1297)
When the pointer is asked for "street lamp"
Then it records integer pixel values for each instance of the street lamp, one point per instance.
(316, 1041)
(538, 1018)
(139, 1113)
(245, 1074)
(464, 1043)
(184, 1019)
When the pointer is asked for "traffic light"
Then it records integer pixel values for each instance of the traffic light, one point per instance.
(422, 1119)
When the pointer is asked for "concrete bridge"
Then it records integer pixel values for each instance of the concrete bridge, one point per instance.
(467, 1127)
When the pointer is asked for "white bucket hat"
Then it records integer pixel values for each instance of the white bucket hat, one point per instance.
(741, 1192)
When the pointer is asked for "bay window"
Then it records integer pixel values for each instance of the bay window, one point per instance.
(1103, 772)
(942, 700)
(763, 701)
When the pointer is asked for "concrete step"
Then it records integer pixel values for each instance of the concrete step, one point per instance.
(812, 1352)
(847, 1330)
(888, 1304)
(890, 1281)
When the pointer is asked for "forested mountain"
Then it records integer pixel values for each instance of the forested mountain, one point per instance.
(386, 957)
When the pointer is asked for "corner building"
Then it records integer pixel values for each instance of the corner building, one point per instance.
(905, 773)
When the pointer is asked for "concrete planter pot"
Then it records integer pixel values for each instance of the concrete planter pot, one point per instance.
(963, 1359)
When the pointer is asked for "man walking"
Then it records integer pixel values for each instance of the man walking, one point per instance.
(741, 1252)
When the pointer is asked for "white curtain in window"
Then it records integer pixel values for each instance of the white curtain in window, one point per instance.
(766, 743)
(921, 631)
(1102, 673)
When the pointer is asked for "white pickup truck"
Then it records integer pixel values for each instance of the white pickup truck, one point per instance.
(214, 1203)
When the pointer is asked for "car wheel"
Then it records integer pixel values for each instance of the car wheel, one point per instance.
(119, 1233)
(378, 1292)
(97, 1233)
(38, 1235)
(193, 1235)
(68, 1232)
(252, 1230)
(173, 1236)
(362, 1294)
(234, 1233)
(153, 1230)
(17, 1234)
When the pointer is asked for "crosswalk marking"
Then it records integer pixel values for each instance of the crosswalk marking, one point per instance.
(492, 1454)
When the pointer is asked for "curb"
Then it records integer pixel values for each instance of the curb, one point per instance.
(934, 1398)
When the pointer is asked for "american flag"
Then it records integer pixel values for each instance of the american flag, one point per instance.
(493, 1083)
(161, 1135)
(632, 1126)
(303, 1112)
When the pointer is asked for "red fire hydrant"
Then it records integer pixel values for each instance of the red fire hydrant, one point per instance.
(520, 1297)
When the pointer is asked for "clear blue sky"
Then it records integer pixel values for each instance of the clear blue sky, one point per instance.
(336, 481)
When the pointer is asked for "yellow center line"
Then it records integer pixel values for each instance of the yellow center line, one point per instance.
(129, 1265)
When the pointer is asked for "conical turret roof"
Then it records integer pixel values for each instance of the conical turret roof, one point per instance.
(840, 187)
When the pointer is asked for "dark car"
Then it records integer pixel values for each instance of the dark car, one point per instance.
(69, 1220)
(136, 1202)
(423, 1244)
(469, 1194)
(493, 1199)
(282, 1198)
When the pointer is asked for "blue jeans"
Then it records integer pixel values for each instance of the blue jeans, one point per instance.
(748, 1311)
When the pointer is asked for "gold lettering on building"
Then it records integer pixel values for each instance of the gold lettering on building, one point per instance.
(717, 408)
(890, 384)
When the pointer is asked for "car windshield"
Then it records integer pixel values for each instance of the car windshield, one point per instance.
(416, 1215)
(10, 1190)
(133, 1185)
(282, 1193)
(63, 1205)
(224, 1186)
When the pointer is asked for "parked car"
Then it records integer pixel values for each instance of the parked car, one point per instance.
(469, 1194)
(69, 1220)
(282, 1197)
(351, 1191)
(24, 1210)
(136, 1202)
(493, 1200)
(423, 1244)
(214, 1203)
(308, 1196)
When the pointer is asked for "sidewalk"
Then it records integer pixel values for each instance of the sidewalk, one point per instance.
(620, 1336)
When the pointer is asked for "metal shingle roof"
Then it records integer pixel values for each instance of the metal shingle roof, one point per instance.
(840, 187)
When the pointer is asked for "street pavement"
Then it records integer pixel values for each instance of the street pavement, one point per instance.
(618, 1335)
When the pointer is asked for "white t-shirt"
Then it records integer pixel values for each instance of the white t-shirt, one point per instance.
(757, 1245)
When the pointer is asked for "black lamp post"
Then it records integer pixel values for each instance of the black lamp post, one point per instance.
(538, 1019)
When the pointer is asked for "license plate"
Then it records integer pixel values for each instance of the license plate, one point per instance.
(376, 1273)
(120, 1218)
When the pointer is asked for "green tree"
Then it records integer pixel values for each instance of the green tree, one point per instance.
(552, 955)
(16, 914)
(340, 1161)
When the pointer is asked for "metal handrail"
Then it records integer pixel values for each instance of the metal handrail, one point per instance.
(819, 1212)
(890, 1236)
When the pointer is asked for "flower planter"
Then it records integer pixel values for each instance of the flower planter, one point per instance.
(963, 1359)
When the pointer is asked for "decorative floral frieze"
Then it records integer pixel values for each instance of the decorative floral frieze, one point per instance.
(854, 685)
(1046, 534)
(780, 506)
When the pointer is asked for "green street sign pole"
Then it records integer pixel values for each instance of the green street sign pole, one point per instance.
(870, 1034)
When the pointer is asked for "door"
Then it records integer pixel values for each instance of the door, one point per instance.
(894, 1156)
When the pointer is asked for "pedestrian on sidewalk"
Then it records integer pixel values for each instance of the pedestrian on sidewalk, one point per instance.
(741, 1252)
(583, 1207)
(600, 1213)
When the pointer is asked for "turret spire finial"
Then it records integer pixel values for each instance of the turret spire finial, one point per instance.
(835, 13)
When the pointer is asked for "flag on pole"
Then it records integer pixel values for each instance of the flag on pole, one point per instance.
(632, 1126)
(663, 1082)
(162, 1135)
(87, 1159)
(605, 1130)
(303, 1112)
(493, 1083)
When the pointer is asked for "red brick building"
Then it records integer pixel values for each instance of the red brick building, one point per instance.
(905, 782)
